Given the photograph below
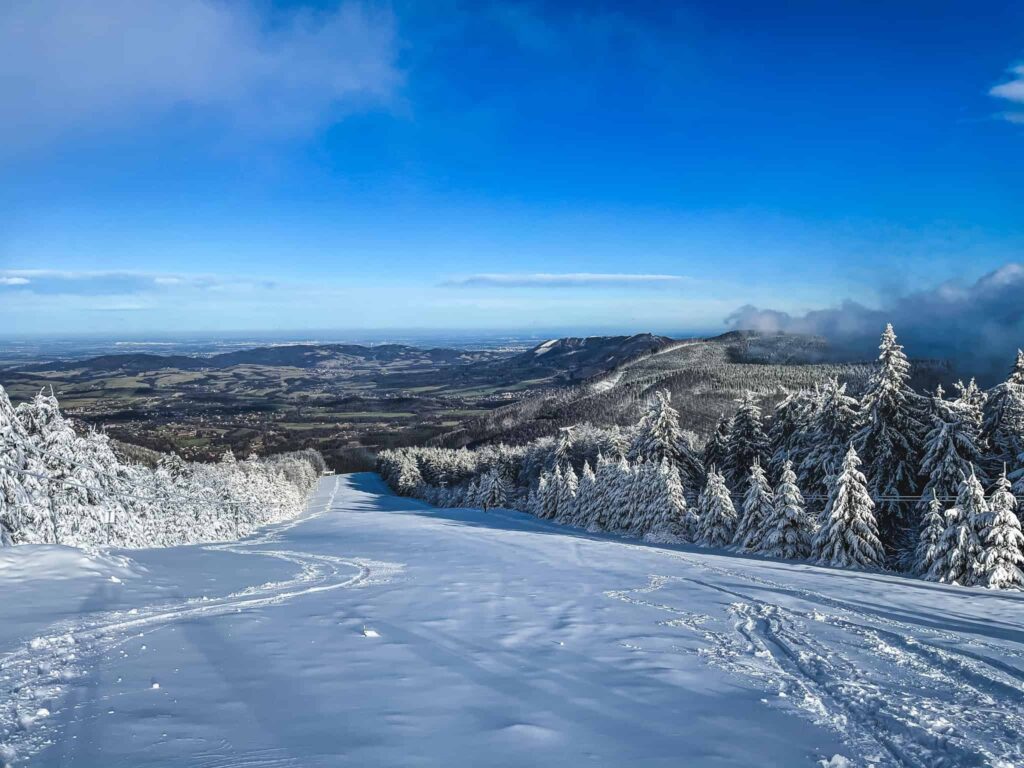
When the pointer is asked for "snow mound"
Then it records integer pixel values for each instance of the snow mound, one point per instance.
(52, 562)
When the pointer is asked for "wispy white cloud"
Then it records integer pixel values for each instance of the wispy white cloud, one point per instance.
(69, 65)
(560, 280)
(1012, 91)
(14, 280)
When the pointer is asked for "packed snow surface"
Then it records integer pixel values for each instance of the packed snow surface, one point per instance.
(499, 640)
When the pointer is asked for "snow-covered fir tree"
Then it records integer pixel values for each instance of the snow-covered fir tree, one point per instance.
(619, 496)
(890, 437)
(717, 515)
(659, 436)
(1002, 543)
(567, 493)
(602, 504)
(789, 424)
(641, 510)
(788, 531)
(848, 536)
(756, 510)
(957, 560)
(673, 520)
(1003, 428)
(830, 428)
(586, 497)
(929, 541)
(951, 445)
(409, 478)
(747, 442)
(12, 464)
(493, 492)
(552, 491)
(717, 447)
(540, 497)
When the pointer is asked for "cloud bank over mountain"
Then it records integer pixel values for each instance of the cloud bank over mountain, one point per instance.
(977, 325)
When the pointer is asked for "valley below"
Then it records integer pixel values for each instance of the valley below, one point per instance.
(349, 401)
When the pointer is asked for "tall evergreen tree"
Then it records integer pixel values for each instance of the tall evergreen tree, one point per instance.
(1003, 427)
(567, 494)
(958, 558)
(747, 442)
(717, 524)
(539, 507)
(671, 519)
(787, 531)
(829, 431)
(494, 492)
(605, 493)
(756, 510)
(12, 464)
(586, 497)
(929, 542)
(951, 446)
(717, 448)
(1002, 543)
(552, 494)
(790, 429)
(619, 497)
(659, 436)
(848, 536)
(890, 437)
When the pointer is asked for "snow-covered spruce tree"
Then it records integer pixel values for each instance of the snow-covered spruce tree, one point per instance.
(929, 541)
(747, 442)
(789, 423)
(12, 463)
(551, 489)
(788, 530)
(1002, 543)
(619, 497)
(951, 445)
(540, 496)
(604, 503)
(659, 436)
(1003, 428)
(717, 524)
(564, 451)
(567, 494)
(495, 492)
(957, 560)
(756, 510)
(848, 536)
(671, 522)
(830, 429)
(890, 438)
(640, 511)
(409, 479)
(717, 448)
(586, 496)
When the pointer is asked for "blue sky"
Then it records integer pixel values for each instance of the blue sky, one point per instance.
(203, 165)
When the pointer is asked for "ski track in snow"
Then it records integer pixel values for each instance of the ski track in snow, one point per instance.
(32, 678)
(893, 691)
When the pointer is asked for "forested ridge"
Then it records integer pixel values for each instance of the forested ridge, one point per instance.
(923, 482)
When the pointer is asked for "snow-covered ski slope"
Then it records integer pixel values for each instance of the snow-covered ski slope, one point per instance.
(378, 631)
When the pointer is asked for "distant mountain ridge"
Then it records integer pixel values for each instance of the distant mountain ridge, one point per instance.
(289, 355)
(577, 357)
(586, 356)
